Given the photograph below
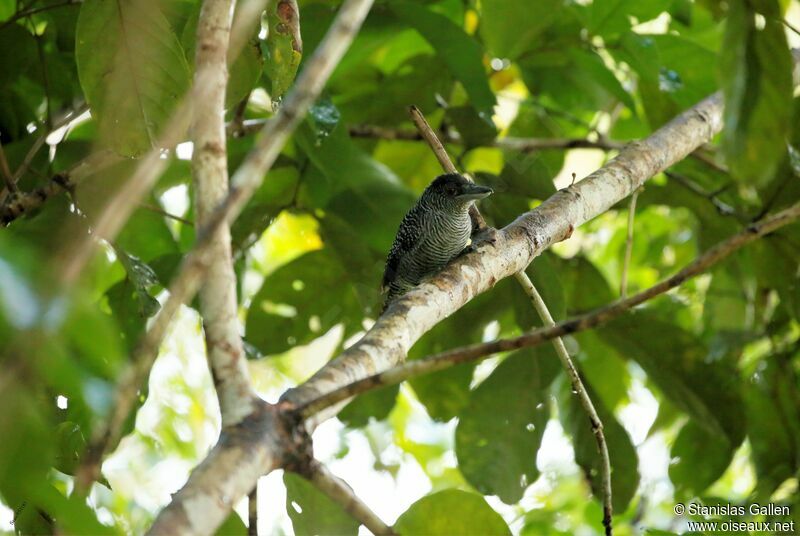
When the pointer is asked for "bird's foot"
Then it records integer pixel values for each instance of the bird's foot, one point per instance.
(466, 251)
(485, 235)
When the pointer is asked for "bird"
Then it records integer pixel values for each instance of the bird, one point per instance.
(435, 230)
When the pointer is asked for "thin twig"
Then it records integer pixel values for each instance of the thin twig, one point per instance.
(583, 396)
(57, 123)
(5, 171)
(623, 285)
(33, 11)
(235, 126)
(338, 491)
(159, 210)
(586, 321)
(440, 152)
(401, 134)
(252, 512)
(723, 208)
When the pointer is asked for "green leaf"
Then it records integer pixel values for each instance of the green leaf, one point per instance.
(451, 512)
(359, 190)
(591, 65)
(585, 287)
(499, 432)
(276, 193)
(460, 52)
(312, 512)
(776, 267)
(675, 360)
(612, 17)
(691, 469)
(70, 445)
(510, 27)
(756, 69)
(725, 307)
(773, 418)
(17, 53)
(245, 70)
(284, 44)
(132, 70)
(130, 300)
(375, 404)
(622, 454)
(445, 393)
(475, 129)
(232, 526)
(544, 276)
(324, 116)
(301, 301)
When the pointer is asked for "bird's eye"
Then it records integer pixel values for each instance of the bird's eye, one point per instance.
(451, 190)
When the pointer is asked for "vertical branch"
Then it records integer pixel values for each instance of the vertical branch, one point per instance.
(218, 305)
(583, 396)
(526, 284)
(444, 159)
(5, 171)
(252, 511)
(623, 285)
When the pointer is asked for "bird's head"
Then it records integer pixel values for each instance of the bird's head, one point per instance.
(455, 191)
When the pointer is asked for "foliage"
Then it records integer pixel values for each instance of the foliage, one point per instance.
(718, 359)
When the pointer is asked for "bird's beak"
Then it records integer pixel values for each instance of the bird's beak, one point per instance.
(474, 192)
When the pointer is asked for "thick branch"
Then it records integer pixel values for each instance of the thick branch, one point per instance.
(243, 453)
(338, 491)
(589, 320)
(218, 305)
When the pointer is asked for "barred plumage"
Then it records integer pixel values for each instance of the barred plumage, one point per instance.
(432, 233)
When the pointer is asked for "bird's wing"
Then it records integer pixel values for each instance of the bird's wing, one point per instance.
(408, 238)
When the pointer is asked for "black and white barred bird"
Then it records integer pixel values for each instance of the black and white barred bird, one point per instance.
(435, 231)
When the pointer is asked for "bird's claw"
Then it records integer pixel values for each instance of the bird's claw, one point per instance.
(483, 236)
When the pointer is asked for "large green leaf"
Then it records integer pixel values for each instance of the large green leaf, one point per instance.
(757, 82)
(499, 432)
(132, 70)
(347, 182)
(301, 301)
(312, 512)
(773, 421)
(622, 454)
(460, 52)
(509, 27)
(446, 392)
(676, 361)
(451, 512)
(691, 469)
(609, 18)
